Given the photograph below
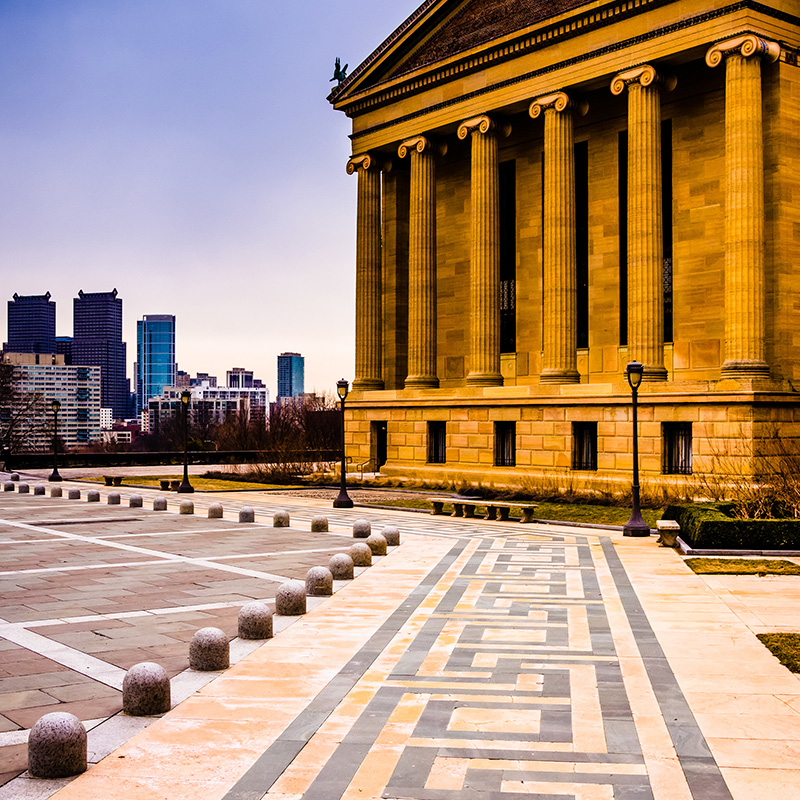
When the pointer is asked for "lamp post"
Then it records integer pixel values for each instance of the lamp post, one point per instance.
(185, 487)
(342, 501)
(54, 476)
(635, 526)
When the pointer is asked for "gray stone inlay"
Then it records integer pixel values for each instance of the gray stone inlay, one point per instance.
(701, 770)
(347, 759)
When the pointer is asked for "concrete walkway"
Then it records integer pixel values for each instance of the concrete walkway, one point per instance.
(478, 660)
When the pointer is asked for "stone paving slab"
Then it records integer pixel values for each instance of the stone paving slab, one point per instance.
(481, 661)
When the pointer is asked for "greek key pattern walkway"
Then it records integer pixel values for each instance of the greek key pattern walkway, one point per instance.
(511, 688)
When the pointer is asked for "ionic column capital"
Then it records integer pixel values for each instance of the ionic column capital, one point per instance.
(421, 144)
(747, 45)
(644, 75)
(483, 124)
(558, 101)
(367, 161)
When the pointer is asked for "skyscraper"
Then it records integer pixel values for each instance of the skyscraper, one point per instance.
(291, 367)
(31, 324)
(155, 357)
(97, 342)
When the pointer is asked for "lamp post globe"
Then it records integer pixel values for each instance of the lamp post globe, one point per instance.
(343, 500)
(54, 475)
(185, 487)
(635, 526)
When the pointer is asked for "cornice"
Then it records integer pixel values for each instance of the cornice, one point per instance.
(688, 22)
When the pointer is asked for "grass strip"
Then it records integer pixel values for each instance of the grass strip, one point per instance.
(785, 647)
(199, 483)
(742, 566)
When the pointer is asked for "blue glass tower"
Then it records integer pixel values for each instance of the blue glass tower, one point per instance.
(155, 357)
(291, 368)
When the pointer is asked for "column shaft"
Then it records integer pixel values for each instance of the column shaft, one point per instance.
(369, 318)
(645, 238)
(559, 323)
(422, 269)
(744, 220)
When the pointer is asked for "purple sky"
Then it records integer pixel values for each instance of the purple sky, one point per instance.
(183, 152)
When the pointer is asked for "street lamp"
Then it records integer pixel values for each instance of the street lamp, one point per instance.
(342, 501)
(185, 487)
(635, 526)
(54, 476)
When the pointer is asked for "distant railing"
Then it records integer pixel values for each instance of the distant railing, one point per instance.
(143, 459)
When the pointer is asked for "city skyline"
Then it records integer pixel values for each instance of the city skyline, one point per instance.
(188, 157)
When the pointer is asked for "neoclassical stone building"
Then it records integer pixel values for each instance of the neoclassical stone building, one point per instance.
(549, 189)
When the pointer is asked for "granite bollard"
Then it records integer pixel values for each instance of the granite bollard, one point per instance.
(361, 529)
(290, 599)
(215, 511)
(135, 501)
(361, 553)
(74, 494)
(92, 496)
(186, 507)
(319, 582)
(280, 519)
(55, 491)
(146, 690)
(377, 544)
(8, 486)
(23, 488)
(319, 524)
(57, 746)
(246, 514)
(39, 488)
(209, 650)
(392, 535)
(160, 504)
(15, 476)
(114, 499)
(255, 621)
(341, 567)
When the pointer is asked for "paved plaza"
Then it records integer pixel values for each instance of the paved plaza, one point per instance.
(478, 660)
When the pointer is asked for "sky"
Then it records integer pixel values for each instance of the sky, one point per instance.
(184, 153)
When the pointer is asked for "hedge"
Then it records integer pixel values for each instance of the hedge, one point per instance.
(712, 526)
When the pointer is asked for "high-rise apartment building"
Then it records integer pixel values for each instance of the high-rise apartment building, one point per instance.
(239, 378)
(31, 324)
(291, 368)
(155, 357)
(97, 342)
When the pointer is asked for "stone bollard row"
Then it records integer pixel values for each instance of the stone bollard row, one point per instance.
(23, 488)
(160, 504)
(209, 650)
(8, 486)
(361, 553)
(290, 599)
(186, 507)
(74, 494)
(135, 501)
(56, 491)
(280, 519)
(39, 488)
(255, 621)
(392, 535)
(319, 524)
(93, 496)
(215, 511)
(57, 746)
(114, 499)
(377, 544)
(14, 476)
(361, 529)
(146, 690)
(246, 514)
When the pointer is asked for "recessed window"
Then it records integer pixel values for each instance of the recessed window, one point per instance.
(505, 444)
(677, 448)
(437, 442)
(584, 445)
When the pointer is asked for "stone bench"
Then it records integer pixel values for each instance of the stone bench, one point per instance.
(668, 532)
(495, 509)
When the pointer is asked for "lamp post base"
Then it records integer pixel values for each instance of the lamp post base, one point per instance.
(185, 488)
(636, 526)
(343, 500)
(54, 476)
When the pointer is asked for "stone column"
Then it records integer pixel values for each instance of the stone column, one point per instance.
(745, 353)
(485, 251)
(422, 263)
(645, 234)
(559, 253)
(369, 318)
